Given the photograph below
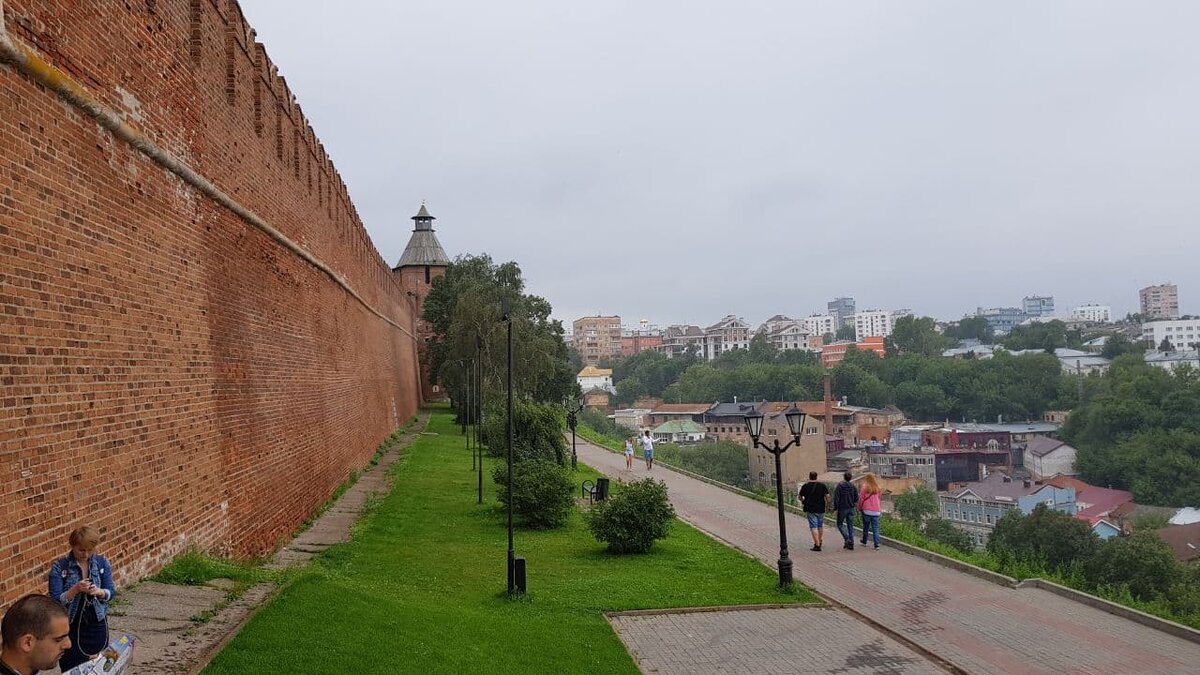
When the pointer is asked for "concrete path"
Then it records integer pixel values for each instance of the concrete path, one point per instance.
(160, 615)
(777, 640)
(975, 625)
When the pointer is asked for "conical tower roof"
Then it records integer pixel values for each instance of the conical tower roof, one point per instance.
(423, 247)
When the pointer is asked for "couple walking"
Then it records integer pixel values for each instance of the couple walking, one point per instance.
(846, 499)
(647, 450)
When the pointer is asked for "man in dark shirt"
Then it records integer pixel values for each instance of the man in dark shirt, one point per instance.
(845, 501)
(812, 499)
(33, 635)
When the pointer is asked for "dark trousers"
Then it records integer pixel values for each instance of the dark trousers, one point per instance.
(89, 637)
(845, 524)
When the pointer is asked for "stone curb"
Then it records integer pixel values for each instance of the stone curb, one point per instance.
(718, 608)
(1138, 616)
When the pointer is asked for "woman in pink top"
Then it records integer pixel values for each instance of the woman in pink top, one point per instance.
(868, 503)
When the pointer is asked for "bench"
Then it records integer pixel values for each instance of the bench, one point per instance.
(595, 492)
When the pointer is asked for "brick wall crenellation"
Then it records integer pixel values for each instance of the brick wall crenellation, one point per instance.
(168, 372)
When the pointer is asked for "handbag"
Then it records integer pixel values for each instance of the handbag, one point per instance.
(90, 641)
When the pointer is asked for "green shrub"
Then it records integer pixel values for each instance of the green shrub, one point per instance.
(537, 431)
(543, 492)
(633, 517)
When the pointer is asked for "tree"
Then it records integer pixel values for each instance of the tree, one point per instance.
(971, 328)
(465, 304)
(538, 430)
(1165, 346)
(1142, 562)
(1117, 345)
(1045, 538)
(1047, 336)
(761, 350)
(916, 505)
(845, 333)
(913, 335)
(945, 532)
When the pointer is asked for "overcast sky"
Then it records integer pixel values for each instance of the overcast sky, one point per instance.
(679, 161)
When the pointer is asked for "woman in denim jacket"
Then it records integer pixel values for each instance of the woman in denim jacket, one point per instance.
(82, 581)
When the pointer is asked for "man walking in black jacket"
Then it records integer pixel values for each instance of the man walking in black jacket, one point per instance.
(845, 500)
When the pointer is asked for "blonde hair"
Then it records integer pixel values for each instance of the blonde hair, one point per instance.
(870, 485)
(85, 536)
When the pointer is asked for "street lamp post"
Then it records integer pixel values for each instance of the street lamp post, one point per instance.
(795, 421)
(505, 310)
(573, 409)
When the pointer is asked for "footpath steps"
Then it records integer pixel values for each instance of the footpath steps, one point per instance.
(972, 624)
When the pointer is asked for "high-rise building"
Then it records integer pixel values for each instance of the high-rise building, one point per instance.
(1181, 334)
(1039, 305)
(1160, 302)
(876, 322)
(597, 338)
(820, 324)
(1002, 319)
(843, 310)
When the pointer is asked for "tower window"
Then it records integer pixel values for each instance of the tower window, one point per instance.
(427, 274)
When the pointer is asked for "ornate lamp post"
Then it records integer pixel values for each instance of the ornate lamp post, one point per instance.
(516, 566)
(573, 408)
(795, 421)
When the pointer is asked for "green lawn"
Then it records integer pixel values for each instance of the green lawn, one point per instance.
(420, 587)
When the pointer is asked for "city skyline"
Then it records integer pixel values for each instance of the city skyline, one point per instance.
(764, 159)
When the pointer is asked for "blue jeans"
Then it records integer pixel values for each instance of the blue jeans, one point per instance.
(870, 524)
(845, 524)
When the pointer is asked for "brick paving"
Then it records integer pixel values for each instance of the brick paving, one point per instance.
(791, 640)
(977, 626)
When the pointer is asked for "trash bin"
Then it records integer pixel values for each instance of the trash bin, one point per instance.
(601, 489)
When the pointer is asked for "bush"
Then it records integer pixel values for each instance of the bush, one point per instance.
(537, 431)
(543, 492)
(633, 517)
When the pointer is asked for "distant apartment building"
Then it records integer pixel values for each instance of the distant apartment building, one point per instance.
(833, 353)
(1002, 319)
(1160, 302)
(638, 340)
(787, 334)
(842, 309)
(1038, 305)
(904, 463)
(1092, 313)
(677, 340)
(975, 507)
(597, 338)
(1045, 457)
(877, 322)
(798, 461)
(1182, 334)
(820, 324)
(726, 335)
(1173, 360)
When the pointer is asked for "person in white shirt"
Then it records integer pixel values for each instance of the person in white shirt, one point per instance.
(648, 449)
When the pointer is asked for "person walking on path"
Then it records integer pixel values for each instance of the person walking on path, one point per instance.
(813, 498)
(82, 581)
(33, 635)
(629, 453)
(845, 501)
(868, 503)
(648, 449)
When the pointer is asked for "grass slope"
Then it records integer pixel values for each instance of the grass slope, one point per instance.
(420, 587)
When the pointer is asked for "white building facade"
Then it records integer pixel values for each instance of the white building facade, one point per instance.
(1092, 313)
(820, 324)
(1183, 334)
(877, 322)
(726, 335)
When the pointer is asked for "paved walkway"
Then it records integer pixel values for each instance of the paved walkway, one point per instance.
(973, 624)
(785, 640)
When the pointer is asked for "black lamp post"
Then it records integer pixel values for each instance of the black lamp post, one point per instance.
(573, 409)
(505, 310)
(795, 420)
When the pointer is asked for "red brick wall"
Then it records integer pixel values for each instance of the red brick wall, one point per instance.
(169, 373)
